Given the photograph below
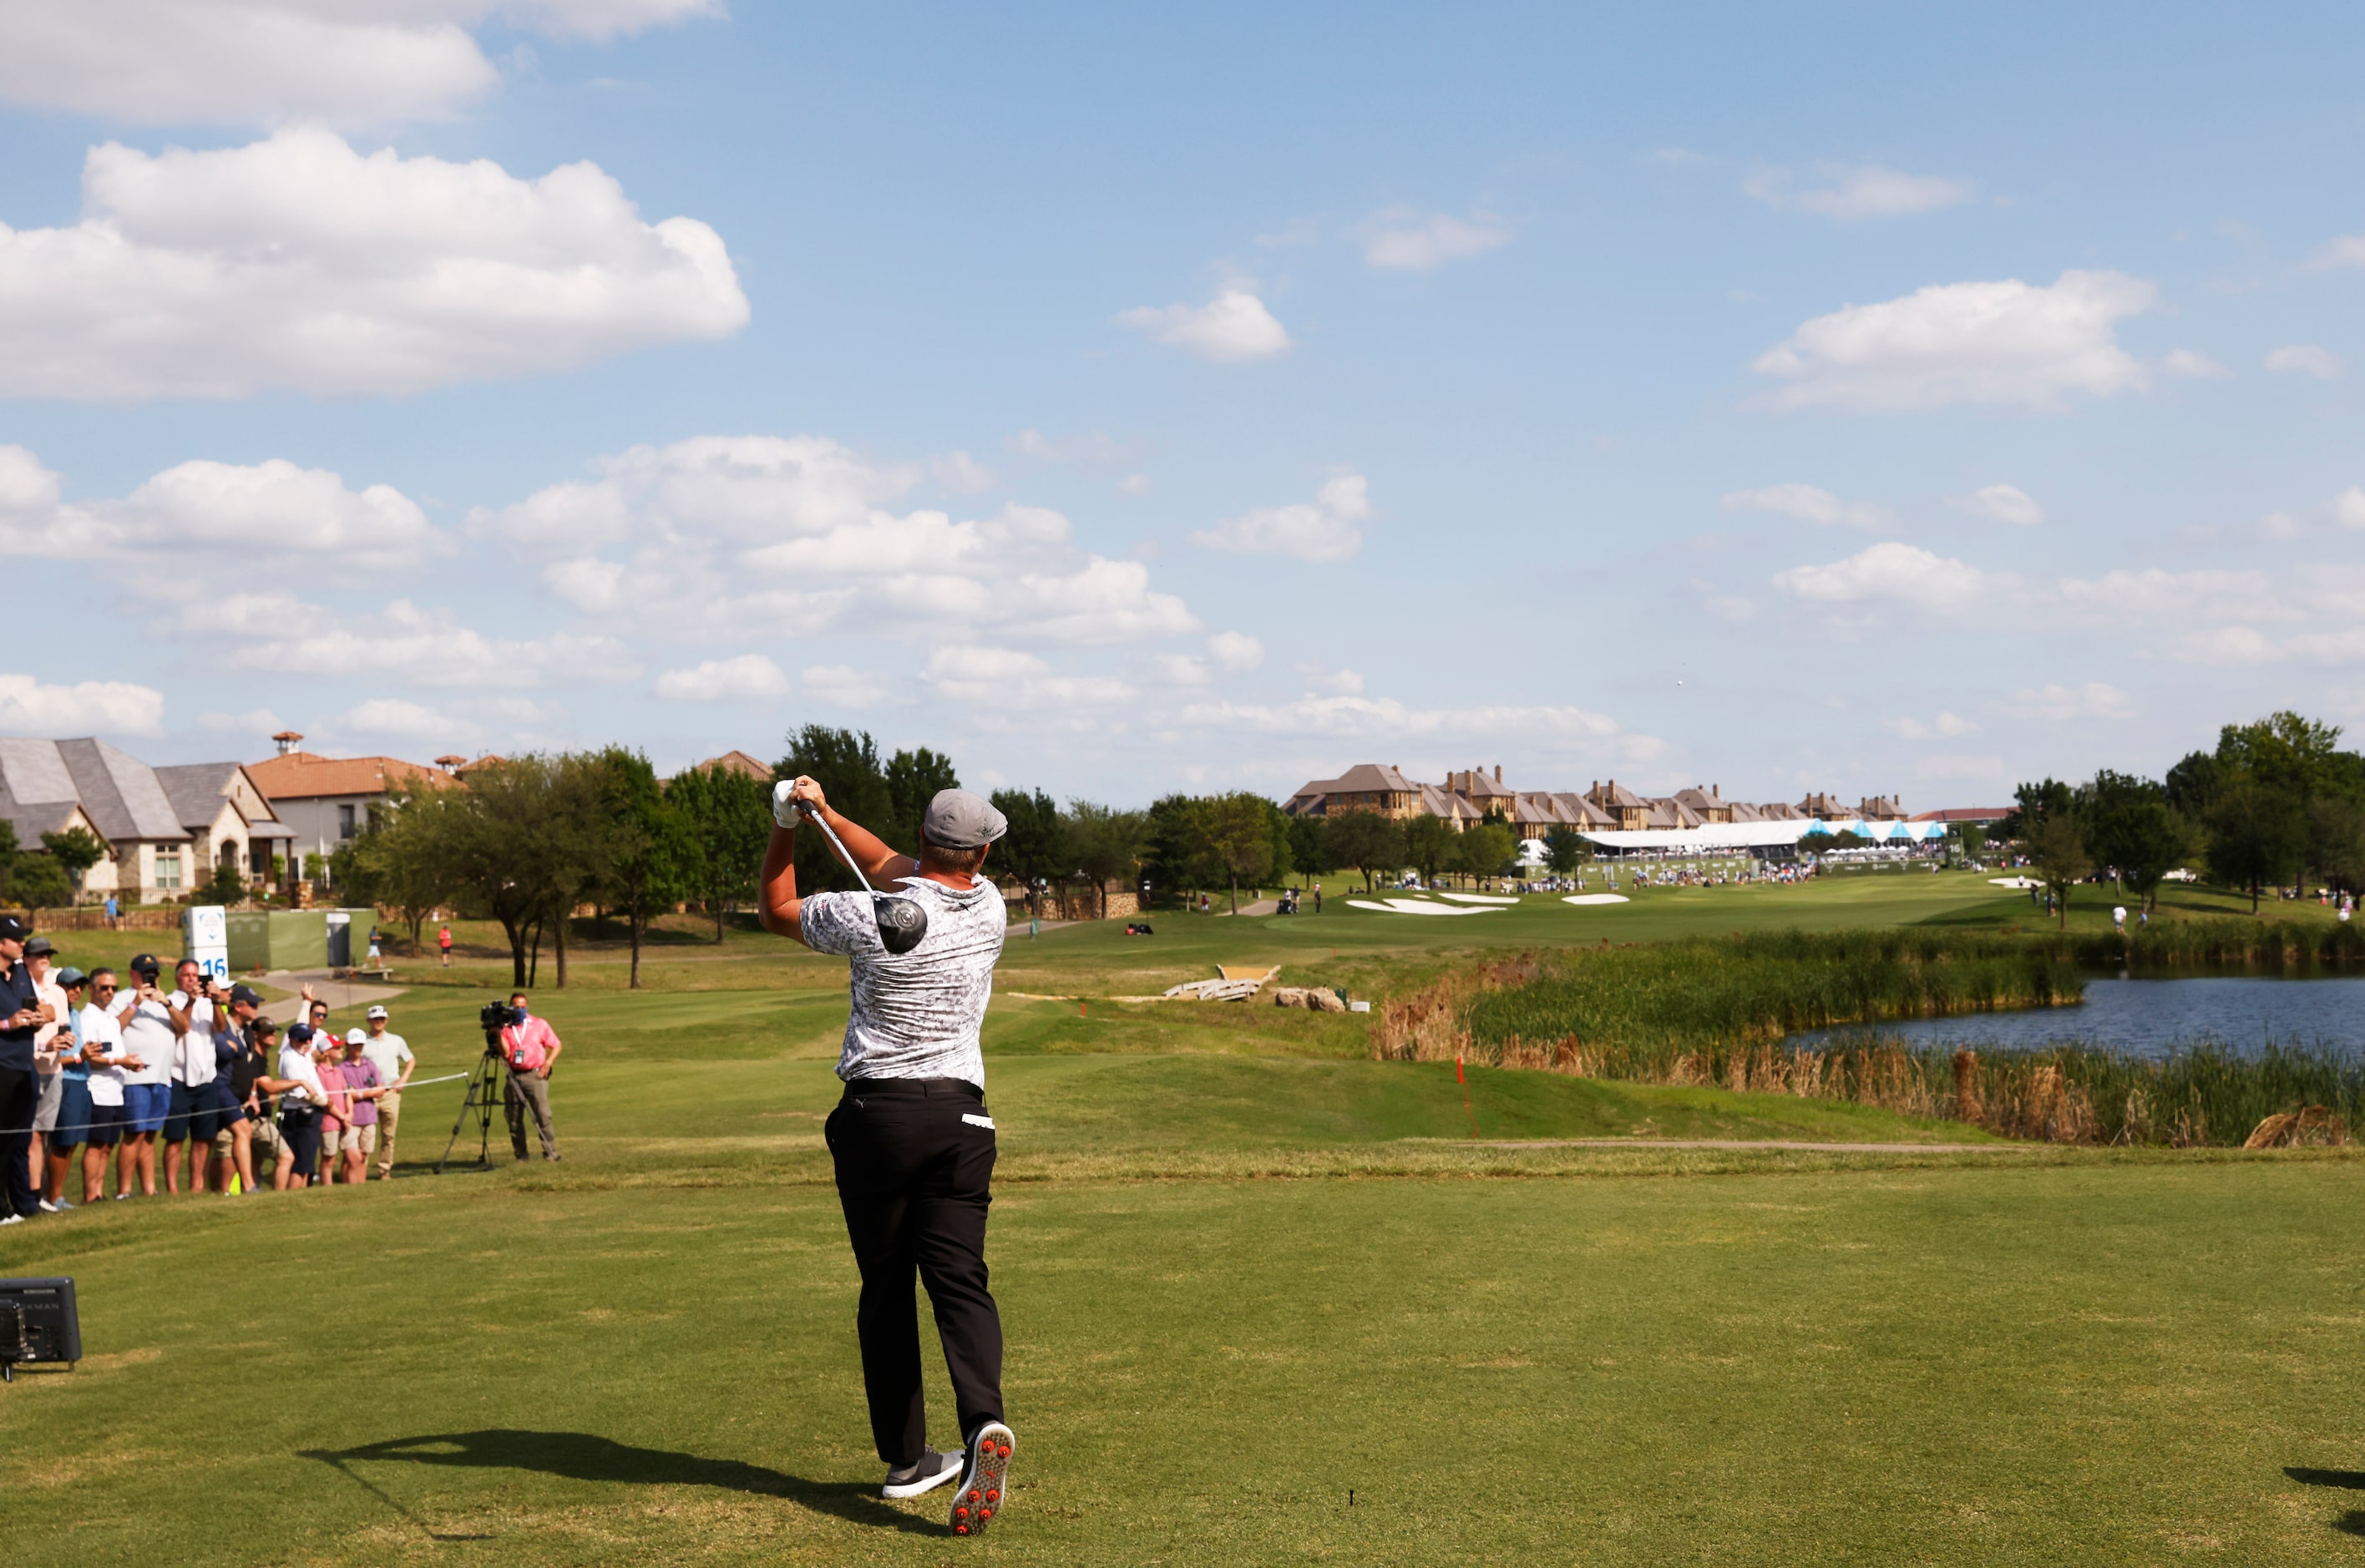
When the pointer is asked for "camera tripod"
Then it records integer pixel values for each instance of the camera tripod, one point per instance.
(485, 1087)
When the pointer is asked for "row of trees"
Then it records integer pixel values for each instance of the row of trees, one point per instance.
(2275, 800)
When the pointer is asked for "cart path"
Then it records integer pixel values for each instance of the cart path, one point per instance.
(343, 996)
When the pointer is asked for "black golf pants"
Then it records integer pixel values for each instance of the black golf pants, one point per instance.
(914, 1159)
(20, 1096)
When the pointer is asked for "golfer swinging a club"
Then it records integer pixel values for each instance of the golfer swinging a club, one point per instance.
(912, 1142)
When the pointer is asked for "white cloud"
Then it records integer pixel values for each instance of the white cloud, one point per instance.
(395, 716)
(1903, 574)
(2226, 645)
(2188, 362)
(844, 686)
(216, 512)
(401, 645)
(1944, 725)
(1332, 682)
(1402, 240)
(1322, 530)
(739, 536)
(1864, 191)
(2003, 503)
(2306, 359)
(1235, 653)
(2059, 704)
(1231, 329)
(1965, 342)
(1809, 503)
(1090, 448)
(2348, 507)
(1367, 718)
(191, 61)
(28, 707)
(1012, 680)
(2133, 596)
(1136, 485)
(750, 678)
(2349, 250)
(298, 263)
(1939, 766)
(252, 722)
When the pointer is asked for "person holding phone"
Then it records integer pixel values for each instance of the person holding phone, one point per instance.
(22, 1014)
(192, 1117)
(102, 1052)
(151, 1030)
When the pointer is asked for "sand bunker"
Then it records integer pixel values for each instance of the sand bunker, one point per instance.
(2023, 883)
(1477, 898)
(1418, 906)
(1595, 898)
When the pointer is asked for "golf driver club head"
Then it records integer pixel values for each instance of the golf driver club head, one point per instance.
(901, 922)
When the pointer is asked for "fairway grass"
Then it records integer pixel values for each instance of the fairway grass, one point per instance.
(2083, 1361)
(1247, 1271)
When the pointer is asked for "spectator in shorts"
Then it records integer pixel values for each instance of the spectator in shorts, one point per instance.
(49, 1041)
(391, 1053)
(21, 1017)
(364, 1088)
(336, 1115)
(302, 1099)
(192, 1118)
(443, 940)
(109, 1061)
(247, 1071)
(69, 1128)
(150, 1034)
(234, 1146)
(376, 953)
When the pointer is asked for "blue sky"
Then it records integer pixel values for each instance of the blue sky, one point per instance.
(1845, 398)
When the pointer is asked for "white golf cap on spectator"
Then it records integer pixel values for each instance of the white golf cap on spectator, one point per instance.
(959, 820)
(374, 1012)
(357, 1037)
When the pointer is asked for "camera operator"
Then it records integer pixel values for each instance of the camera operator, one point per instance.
(150, 1031)
(531, 1049)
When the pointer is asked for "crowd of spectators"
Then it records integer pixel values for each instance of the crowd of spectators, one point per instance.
(128, 1077)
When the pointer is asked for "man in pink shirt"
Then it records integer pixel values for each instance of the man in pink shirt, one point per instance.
(531, 1047)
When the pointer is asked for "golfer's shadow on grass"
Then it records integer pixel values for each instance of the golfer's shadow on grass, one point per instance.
(580, 1456)
(2353, 1521)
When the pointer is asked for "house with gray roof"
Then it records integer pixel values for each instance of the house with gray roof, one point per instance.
(161, 835)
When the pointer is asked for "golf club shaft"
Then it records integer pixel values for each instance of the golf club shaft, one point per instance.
(839, 845)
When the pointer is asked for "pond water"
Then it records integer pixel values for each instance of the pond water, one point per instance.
(2152, 1017)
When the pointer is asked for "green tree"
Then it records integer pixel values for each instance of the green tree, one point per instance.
(1236, 830)
(500, 845)
(2056, 846)
(1486, 850)
(400, 859)
(1309, 851)
(38, 882)
(223, 885)
(1430, 844)
(1283, 858)
(2336, 833)
(2192, 784)
(1565, 850)
(75, 850)
(730, 822)
(2034, 803)
(648, 845)
(1972, 838)
(2298, 756)
(2130, 830)
(1175, 849)
(2258, 836)
(1365, 841)
(1034, 849)
(1103, 844)
(845, 763)
(912, 779)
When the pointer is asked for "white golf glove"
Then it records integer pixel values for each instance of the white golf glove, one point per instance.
(784, 806)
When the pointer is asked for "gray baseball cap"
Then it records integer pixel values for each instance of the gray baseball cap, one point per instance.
(959, 820)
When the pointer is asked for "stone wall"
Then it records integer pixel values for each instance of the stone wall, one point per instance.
(1073, 901)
